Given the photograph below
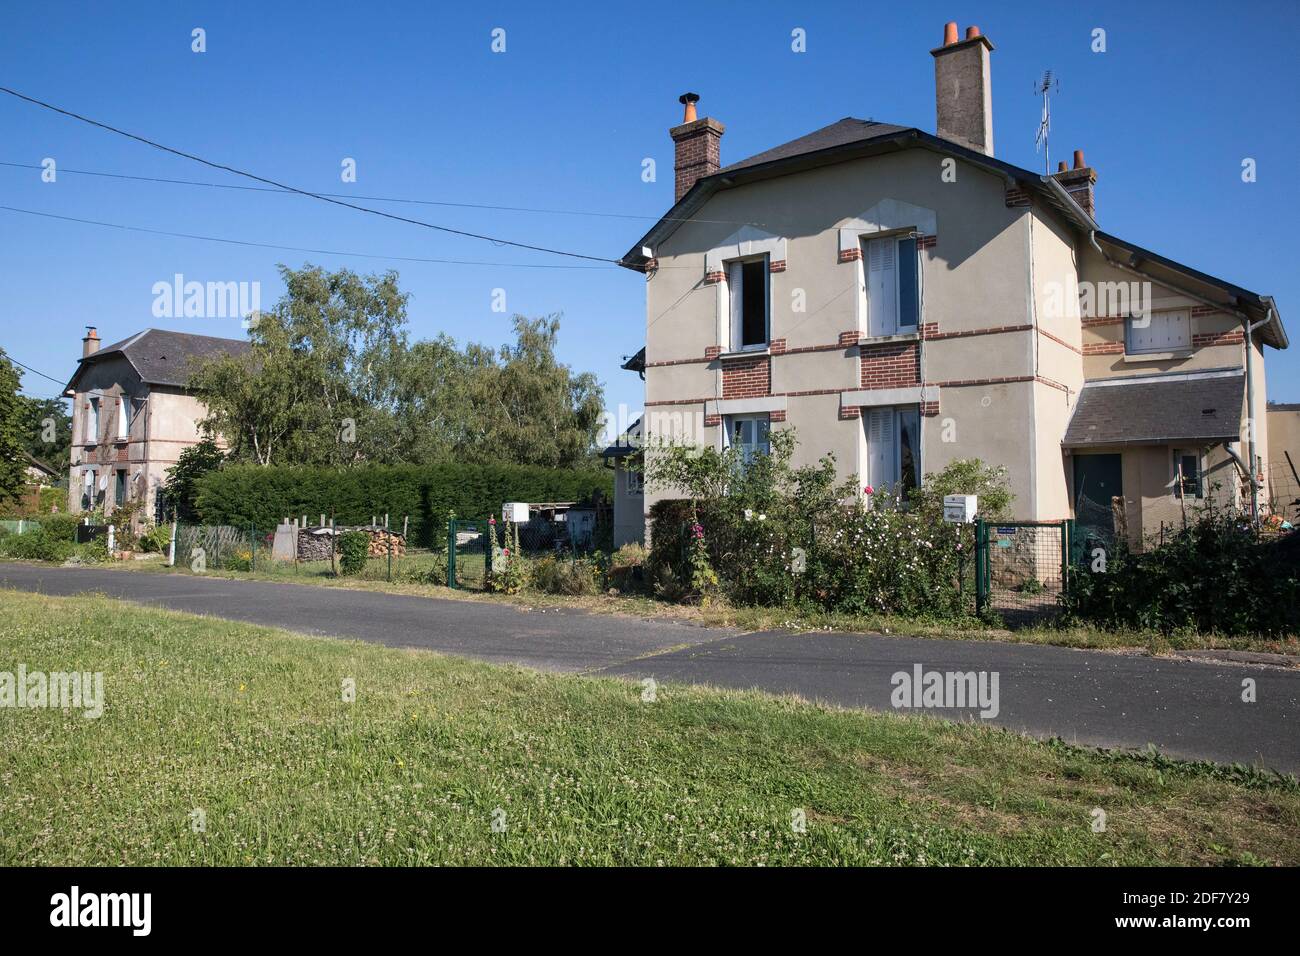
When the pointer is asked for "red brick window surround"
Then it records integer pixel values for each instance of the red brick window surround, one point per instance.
(891, 365)
(747, 377)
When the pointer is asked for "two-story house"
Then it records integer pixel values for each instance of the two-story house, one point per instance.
(133, 414)
(904, 299)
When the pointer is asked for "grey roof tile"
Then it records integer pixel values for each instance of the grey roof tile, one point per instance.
(1158, 409)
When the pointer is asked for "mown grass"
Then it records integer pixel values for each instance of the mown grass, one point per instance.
(248, 724)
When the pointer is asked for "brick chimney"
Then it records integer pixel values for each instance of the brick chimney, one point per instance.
(1080, 182)
(90, 344)
(963, 89)
(698, 145)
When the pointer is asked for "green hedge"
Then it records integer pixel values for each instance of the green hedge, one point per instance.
(241, 495)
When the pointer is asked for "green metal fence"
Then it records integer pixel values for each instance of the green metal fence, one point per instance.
(1021, 567)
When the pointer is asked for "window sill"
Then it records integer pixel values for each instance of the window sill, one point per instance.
(884, 339)
(1158, 356)
(745, 353)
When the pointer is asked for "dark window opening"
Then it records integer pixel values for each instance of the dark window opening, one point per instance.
(753, 319)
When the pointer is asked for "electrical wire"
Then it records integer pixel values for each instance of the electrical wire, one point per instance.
(302, 192)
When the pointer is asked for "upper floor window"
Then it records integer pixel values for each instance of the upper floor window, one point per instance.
(1159, 332)
(747, 288)
(749, 433)
(893, 449)
(893, 285)
(92, 421)
(123, 418)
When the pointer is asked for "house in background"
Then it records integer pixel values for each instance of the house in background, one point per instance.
(132, 415)
(904, 299)
(626, 458)
(1283, 425)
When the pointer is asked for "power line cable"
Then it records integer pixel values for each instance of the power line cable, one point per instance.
(302, 192)
(419, 202)
(56, 381)
(321, 252)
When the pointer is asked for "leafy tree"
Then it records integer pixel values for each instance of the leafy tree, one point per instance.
(181, 487)
(966, 476)
(47, 430)
(13, 462)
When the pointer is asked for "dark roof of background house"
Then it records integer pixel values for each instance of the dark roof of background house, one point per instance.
(636, 363)
(161, 357)
(1157, 409)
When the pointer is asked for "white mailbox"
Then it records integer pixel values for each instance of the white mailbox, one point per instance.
(960, 509)
(516, 511)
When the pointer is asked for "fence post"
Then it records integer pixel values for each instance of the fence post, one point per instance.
(1066, 544)
(252, 548)
(451, 550)
(388, 535)
(981, 560)
(333, 542)
(171, 546)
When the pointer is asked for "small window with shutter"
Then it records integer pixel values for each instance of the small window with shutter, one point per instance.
(893, 285)
(893, 449)
(1159, 332)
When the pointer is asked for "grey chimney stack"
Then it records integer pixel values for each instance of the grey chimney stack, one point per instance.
(963, 89)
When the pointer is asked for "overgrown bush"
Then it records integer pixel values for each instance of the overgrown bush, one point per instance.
(61, 527)
(1214, 576)
(552, 575)
(508, 568)
(775, 535)
(36, 546)
(354, 551)
(155, 539)
(244, 495)
(626, 571)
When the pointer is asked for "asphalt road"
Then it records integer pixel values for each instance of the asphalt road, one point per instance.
(1191, 709)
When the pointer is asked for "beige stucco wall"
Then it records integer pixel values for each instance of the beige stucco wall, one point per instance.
(1283, 433)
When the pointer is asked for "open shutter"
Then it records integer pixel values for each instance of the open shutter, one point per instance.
(881, 470)
(736, 294)
(123, 423)
(882, 287)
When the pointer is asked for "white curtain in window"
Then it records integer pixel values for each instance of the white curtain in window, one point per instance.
(123, 422)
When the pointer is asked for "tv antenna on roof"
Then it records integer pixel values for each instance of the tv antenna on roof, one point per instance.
(1045, 87)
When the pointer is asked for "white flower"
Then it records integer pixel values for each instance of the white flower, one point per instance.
(762, 517)
(749, 514)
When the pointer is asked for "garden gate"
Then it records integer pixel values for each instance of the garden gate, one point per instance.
(469, 552)
(1021, 567)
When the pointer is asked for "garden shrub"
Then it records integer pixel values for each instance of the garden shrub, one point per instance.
(552, 575)
(354, 551)
(244, 495)
(155, 539)
(1214, 576)
(626, 572)
(36, 546)
(61, 527)
(509, 572)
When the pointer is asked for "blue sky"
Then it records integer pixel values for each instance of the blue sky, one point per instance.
(561, 122)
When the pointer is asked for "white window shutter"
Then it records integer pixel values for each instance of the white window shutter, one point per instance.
(881, 470)
(736, 293)
(882, 287)
(123, 425)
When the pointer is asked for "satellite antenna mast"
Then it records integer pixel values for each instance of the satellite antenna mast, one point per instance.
(1045, 87)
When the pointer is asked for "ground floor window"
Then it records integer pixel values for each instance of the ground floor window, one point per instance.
(1187, 473)
(749, 433)
(119, 487)
(893, 448)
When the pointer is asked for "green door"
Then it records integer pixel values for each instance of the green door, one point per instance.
(1097, 479)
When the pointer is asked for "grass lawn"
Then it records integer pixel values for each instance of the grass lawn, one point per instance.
(248, 725)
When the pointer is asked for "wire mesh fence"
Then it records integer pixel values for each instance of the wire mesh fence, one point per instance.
(1021, 568)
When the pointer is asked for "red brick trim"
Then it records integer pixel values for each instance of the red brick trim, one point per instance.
(1103, 348)
(927, 242)
(850, 255)
(1199, 310)
(776, 265)
(713, 278)
(1231, 337)
(777, 346)
(929, 330)
(1104, 320)
(967, 333)
(710, 353)
(849, 411)
(1059, 341)
(776, 416)
(747, 378)
(678, 401)
(848, 338)
(890, 365)
(964, 382)
(712, 421)
(929, 409)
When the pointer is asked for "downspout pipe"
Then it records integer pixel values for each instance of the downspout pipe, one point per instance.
(1250, 410)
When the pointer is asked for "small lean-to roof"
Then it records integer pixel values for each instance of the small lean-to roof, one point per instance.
(1159, 409)
(161, 357)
